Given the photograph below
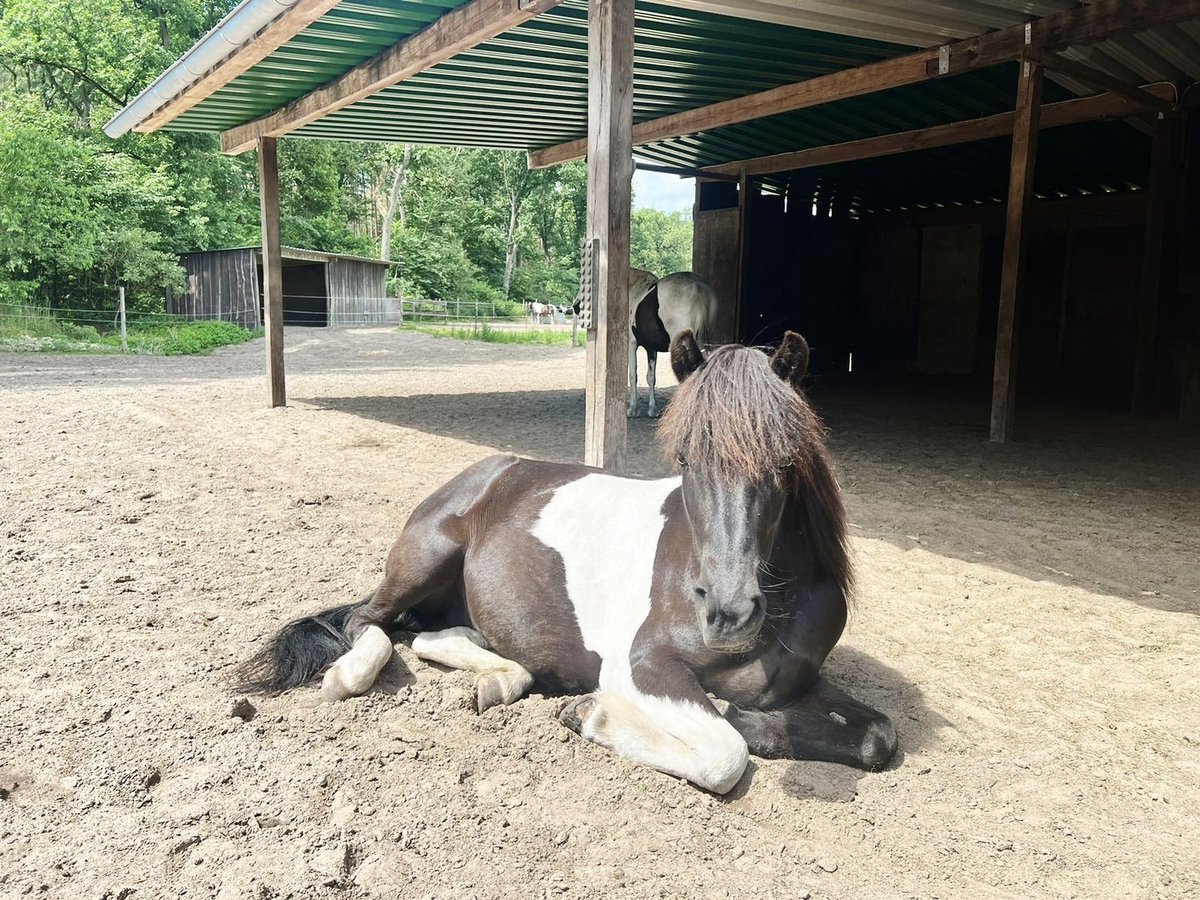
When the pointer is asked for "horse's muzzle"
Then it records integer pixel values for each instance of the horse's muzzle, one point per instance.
(730, 628)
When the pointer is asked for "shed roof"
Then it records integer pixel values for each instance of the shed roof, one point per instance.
(301, 255)
(527, 88)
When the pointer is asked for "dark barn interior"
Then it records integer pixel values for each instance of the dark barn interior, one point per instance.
(892, 265)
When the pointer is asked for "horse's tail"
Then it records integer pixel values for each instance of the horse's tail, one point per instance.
(300, 651)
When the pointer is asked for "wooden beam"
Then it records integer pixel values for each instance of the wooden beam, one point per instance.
(1078, 26)
(272, 257)
(813, 92)
(1164, 182)
(1016, 234)
(609, 197)
(458, 30)
(1103, 81)
(266, 42)
(1066, 112)
(681, 171)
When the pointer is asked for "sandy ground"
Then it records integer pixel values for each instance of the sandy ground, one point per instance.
(1027, 615)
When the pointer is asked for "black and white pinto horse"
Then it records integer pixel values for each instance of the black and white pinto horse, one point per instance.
(644, 596)
(659, 309)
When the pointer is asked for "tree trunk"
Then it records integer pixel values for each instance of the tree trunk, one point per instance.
(510, 246)
(395, 205)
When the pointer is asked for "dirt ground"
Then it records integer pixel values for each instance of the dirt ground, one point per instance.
(1027, 615)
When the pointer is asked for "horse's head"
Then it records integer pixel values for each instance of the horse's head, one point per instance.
(736, 427)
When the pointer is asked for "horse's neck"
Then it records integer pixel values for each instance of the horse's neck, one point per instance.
(792, 558)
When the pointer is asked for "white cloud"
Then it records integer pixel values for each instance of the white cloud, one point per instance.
(665, 192)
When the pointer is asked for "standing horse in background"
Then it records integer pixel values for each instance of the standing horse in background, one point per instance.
(673, 304)
(645, 596)
(537, 310)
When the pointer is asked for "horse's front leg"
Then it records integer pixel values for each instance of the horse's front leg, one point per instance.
(825, 723)
(679, 733)
(651, 371)
(631, 409)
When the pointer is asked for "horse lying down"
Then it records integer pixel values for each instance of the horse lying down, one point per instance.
(643, 596)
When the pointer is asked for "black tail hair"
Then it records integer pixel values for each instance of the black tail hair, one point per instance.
(302, 650)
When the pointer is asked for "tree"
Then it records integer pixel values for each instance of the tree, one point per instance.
(395, 206)
(661, 242)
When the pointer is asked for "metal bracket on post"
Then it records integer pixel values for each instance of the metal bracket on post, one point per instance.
(943, 59)
(589, 249)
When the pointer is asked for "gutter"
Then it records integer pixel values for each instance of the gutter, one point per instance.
(236, 29)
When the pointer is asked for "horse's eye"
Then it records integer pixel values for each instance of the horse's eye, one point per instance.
(681, 462)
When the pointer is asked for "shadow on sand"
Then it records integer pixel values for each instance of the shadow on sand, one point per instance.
(1095, 501)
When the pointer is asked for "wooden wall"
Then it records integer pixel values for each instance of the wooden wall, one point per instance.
(226, 284)
(716, 252)
(358, 294)
(221, 284)
(918, 291)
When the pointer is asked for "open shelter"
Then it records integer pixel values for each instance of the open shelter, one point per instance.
(870, 171)
(318, 288)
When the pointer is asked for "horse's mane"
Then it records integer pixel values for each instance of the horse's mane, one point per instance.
(735, 418)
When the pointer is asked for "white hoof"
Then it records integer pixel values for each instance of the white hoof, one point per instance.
(357, 670)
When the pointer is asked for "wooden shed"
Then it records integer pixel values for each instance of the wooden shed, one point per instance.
(319, 288)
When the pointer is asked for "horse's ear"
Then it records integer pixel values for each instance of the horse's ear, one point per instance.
(686, 356)
(790, 361)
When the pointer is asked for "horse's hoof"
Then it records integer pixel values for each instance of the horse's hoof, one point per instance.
(654, 413)
(333, 686)
(576, 711)
(631, 413)
(489, 692)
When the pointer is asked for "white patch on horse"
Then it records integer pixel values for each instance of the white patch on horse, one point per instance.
(500, 680)
(606, 529)
(356, 670)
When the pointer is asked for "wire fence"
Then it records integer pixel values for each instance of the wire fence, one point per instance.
(301, 310)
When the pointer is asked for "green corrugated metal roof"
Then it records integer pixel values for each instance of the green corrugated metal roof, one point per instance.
(528, 89)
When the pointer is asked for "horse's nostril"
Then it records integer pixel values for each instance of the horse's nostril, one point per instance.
(701, 593)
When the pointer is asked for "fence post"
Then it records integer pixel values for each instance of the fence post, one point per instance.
(121, 316)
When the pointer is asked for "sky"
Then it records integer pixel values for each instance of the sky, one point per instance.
(665, 192)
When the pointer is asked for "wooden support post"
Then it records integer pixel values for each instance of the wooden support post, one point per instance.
(272, 256)
(610, 193)
(1163, 179)
(1016, 235)
(742, 254)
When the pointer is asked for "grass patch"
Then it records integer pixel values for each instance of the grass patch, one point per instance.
(30, 330)
(546, 337)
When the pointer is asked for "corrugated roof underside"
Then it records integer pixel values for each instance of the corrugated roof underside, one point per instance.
(528, 89)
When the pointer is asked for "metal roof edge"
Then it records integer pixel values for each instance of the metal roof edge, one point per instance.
(301, 253)
(224, 40)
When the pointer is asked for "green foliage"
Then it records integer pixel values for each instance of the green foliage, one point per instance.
(544, 336)
(661, 242)
(81, 214)
(30, 329)
(186, 339)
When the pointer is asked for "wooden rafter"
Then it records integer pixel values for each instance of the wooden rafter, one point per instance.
(1066, 112)
(1080, 26)
(1103, 81)
(266, 42)
(458, 30)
